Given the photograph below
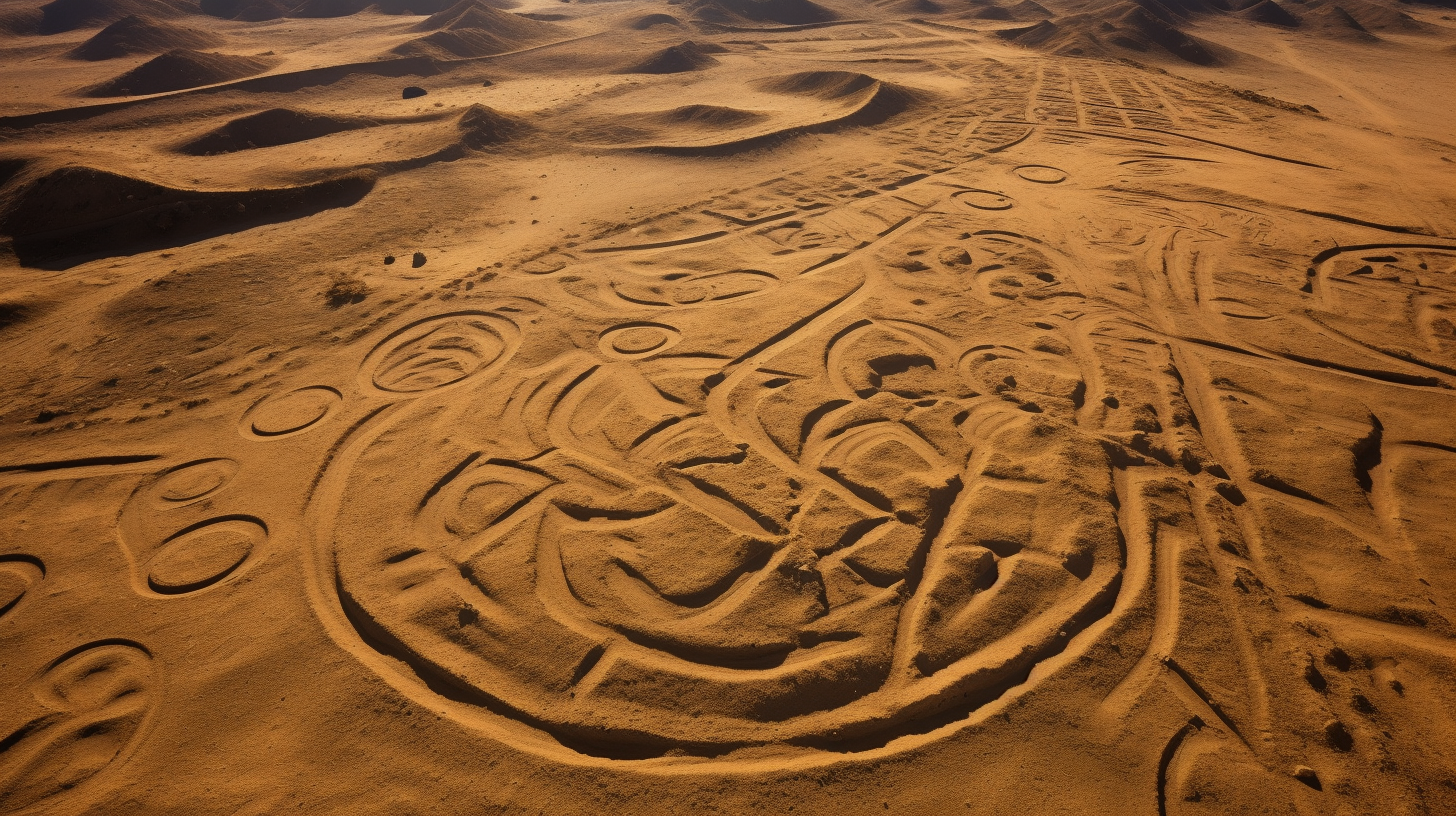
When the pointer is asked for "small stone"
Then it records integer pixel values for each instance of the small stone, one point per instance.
(414, 92)
(419, 260)
(1308, 776)
(388, 259)
(955, 256)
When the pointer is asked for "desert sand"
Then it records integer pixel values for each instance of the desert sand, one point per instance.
(727, 406)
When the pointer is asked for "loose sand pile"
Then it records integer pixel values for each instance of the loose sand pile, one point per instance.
(727, 406)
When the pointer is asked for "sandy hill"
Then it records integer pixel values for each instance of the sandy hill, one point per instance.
(257, 10)
(134, 34)
(874, 100)
(179, 69)
(647, 21)
(474, 29)
(77, 210)
(1127, 25)
(751, 12)
(270, 128)
(676, 59)
(482, 127)
(68, 15)
(968, 10)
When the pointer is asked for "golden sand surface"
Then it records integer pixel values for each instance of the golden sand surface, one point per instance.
(727, 406)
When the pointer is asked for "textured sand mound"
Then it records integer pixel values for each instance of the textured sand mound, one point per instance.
(1142, 26)
(1374, 17)
(870, 100)
(482, 127)
(823, 84)
(20, 21)
(1270, 12)
(1029, 9)
(830, 100)
(176, 70)
(676, 59)
(244, 10)
(84, 211)
(477, 30)
(706, 116)
(270, 128)
(992, 12)
(134, 34)
(69, 15)
(648, 21)
(1336, 23)
(469, 14)
(346, 8)
(258, 10)
(784, 12)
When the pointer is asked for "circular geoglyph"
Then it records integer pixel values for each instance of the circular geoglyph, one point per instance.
(567, 547)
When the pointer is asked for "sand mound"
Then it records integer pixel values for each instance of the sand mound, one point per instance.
(468, 14)
(1270, 12)
(991, 12)
(84, 211)
(346, 8)
(270, 128)
(823, 84)
(1336, 22)
(705, 116)
(20, 21)
(134, 34)
(472, 29)
(915, 7)
(1030, 9)
(248, 11)
(738, 12)
(676, 59)
(176, 70)
(258, 10)
(1140, 26)
(648, 21)
(68, 15)
(482, 127)
(1374, 17)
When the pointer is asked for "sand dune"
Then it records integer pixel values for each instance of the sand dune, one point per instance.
(68, 15)
(269, 128)
(727, 406)
(675, 59)
(83, 211)
(473, 29)
(179, 69)
(139, 35)
(751, 12)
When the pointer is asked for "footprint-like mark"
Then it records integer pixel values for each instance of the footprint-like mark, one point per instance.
(192, 481)
(18, 573)
(290, 413)
(441, 351)
(1040, 174)
(83, 712)
(204, 554)
(984, 200)
(635, 341)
